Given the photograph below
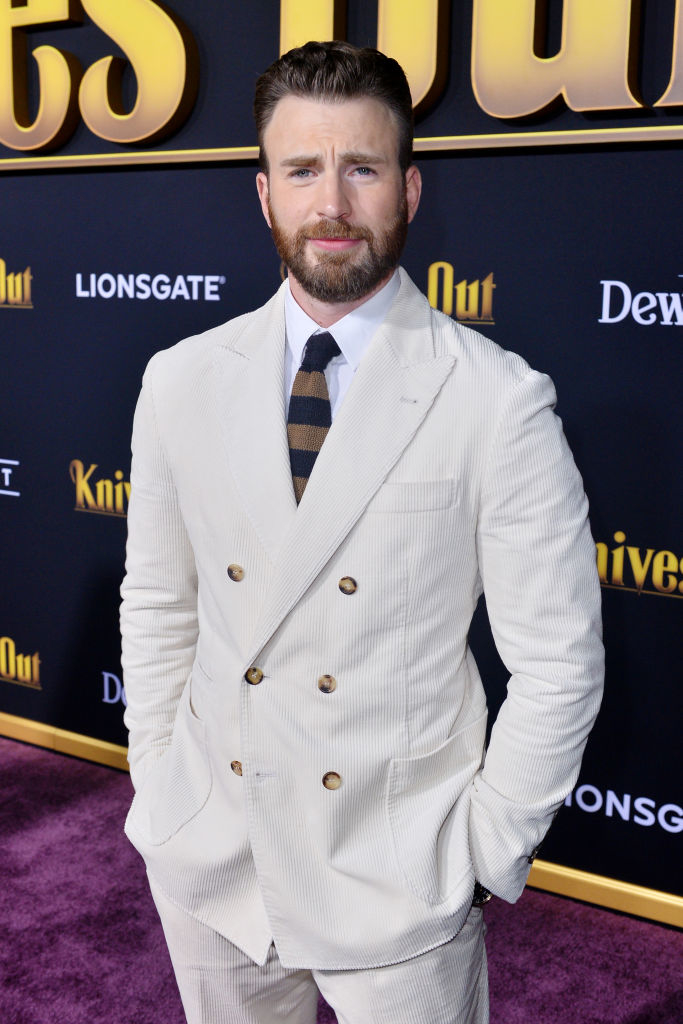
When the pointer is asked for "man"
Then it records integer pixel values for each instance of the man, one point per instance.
(306, 720)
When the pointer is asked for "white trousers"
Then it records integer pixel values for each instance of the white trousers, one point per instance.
(219, 984)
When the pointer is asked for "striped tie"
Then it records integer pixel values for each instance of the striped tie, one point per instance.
(310, 415)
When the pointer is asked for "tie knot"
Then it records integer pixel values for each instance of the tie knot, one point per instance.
(320, 348)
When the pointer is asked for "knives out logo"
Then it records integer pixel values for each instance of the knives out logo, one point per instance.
(107, 496)
(470, 302)
(624, 566)
(160, 49)
(23, 669)
(513, 72)
(15, 288)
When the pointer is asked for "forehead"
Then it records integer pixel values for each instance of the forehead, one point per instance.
(308, 125)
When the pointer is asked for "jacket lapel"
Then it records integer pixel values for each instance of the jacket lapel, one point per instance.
(394, 387)
(250, 392)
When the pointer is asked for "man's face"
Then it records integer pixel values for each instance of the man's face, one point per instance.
(334, 197)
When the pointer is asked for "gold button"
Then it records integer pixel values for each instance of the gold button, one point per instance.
(327, 684)
(236, 767)
(348, 585)
(331, 780)
(235, 572)
(253, 675)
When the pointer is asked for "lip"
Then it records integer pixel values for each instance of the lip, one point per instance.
(335, 244)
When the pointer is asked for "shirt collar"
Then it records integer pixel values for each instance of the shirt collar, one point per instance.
(352, 333)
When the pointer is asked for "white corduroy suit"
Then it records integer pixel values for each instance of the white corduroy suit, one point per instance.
(445, 474)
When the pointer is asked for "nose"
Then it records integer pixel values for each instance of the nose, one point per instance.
(334, 201)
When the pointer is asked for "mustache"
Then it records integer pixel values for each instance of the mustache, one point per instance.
(335, 229)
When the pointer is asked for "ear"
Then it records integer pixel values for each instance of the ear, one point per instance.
(413, 190)
(262, 189)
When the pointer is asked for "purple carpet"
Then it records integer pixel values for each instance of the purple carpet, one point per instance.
(80, 942)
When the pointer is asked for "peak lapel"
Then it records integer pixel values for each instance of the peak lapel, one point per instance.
(250, 393)
(395, 386)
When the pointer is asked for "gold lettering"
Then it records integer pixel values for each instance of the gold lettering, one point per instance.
(58, 75)
(301, 20)
(164, 57)
(673, 96)
(24, 674)
(84, 495)
(416, 35)
(467, 300)
(27, 285)
(35, 665)
(618, 559)
(664, 565)
(446, 271)
(8, 661)
(592, 70)
(602, 553)
(101, 495)
(487, 287)
(14, 290)
(639, 567)
(104, 490)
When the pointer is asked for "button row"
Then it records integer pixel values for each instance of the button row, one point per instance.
(331, 780)
(346, 584)
(326, 683)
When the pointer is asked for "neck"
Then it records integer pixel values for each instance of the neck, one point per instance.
(327, 313)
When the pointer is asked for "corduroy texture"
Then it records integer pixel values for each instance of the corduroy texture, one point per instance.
(220, 985)
(310, 415)
(81, 942)
(445, 474)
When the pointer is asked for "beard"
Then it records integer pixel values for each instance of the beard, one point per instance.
(342, 276)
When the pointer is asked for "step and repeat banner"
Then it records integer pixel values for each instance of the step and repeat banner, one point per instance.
(549, 140)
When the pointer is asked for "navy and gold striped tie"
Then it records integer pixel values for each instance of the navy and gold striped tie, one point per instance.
(310, 415)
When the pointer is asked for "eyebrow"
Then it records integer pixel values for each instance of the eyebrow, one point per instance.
(346, 158)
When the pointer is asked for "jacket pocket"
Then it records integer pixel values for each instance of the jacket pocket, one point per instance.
(178, 784)
(428, 810)
(413, 496)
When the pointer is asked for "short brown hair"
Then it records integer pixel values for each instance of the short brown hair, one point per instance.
(336, 71)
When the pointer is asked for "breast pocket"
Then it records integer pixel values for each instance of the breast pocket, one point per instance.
(414, 496)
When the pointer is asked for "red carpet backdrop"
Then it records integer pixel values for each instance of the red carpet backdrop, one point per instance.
(549, 139)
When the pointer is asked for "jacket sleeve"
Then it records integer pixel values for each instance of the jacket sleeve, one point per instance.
(537, 564)
(159, 592)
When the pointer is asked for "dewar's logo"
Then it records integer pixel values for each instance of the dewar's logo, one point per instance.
(469, 302)
(113, 691)
(620, 301)
(23, 669)
(106, 495)
(15, 288)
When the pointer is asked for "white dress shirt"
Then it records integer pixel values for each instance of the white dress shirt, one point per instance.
(353, 333)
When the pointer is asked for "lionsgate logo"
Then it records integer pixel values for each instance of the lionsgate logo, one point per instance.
(188, 287)
(647, 308)
(640, 810)
(8, 469)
